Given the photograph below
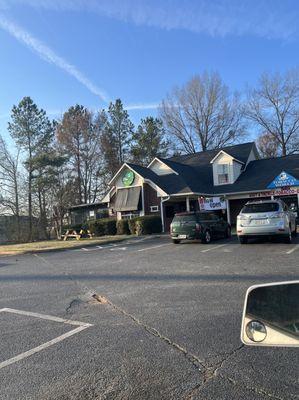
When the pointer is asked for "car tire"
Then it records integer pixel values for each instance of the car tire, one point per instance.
(228, 233)
(243, 240)
(176, 241)
(207, 237)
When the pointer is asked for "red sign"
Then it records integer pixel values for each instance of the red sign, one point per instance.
(287, 191)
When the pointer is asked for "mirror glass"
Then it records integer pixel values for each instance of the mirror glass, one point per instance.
(272, 315)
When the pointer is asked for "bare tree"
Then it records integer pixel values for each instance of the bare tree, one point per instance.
(203, 114)
(274, 107)
(78, 134)
(9, 180)
(267, 145)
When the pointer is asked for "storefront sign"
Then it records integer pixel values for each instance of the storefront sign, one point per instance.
(278, 192)
(283, 180)
(128, 178)
(211, 203)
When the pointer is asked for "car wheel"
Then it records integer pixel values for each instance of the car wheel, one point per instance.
(176, 241)
(207, 237)
(228, 232)
(243, 239)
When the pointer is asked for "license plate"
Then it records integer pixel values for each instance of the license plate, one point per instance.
(182, 237)
(261, 222)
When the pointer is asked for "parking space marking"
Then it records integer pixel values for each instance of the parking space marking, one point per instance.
(154, 247)
(119, 249)
(214, 248)
(80, 327)
(293, 249)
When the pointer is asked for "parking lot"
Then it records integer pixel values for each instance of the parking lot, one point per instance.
(141, 319)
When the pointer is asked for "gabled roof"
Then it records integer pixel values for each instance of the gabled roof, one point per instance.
(224, 152)
(193, 173)
(144, 172)
(260, 173)
(239, 152)
(160, 160)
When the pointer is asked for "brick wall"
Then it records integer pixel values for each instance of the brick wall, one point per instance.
(150, 199)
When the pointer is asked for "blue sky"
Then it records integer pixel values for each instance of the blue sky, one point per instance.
(62, 52)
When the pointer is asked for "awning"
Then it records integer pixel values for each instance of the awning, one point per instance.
(127, 199)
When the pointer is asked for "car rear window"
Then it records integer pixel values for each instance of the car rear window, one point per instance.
(184, 218)
(206, 216)
(260, 207)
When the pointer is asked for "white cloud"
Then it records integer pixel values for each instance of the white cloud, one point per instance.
(49, 55)
(142, 106)
(276, 19)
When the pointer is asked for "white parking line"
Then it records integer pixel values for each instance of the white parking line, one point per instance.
(155, 247)
(80, 327)
(213, 248)
(293, 249)
(119, 249)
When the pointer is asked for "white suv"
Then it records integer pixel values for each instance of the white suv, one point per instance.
(266, 218)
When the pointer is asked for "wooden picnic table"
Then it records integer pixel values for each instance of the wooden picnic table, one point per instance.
(72, 233)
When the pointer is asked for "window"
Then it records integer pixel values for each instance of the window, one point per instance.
(154, 208)
(260, 207)
(222, 170)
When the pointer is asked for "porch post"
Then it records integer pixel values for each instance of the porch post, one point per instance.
(228, 211)
(187, 204)
(142, 200)
(162, 214)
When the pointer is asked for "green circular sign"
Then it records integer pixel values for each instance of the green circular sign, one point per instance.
(128, 178)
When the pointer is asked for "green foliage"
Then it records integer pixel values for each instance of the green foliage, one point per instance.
(149, 141)
(132, 226)
(102, 227)
(122, 227)
(34, 135)
(116, 137)
(145, 225)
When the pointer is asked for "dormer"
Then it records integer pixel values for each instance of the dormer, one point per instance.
(226, 169)
(160, 167)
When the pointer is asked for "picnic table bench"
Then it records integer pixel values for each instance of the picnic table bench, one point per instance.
(71, 233)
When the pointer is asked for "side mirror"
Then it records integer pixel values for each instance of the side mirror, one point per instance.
(271, 315)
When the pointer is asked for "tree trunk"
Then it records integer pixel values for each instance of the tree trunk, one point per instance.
(283, 149)
(17, 211)
(30, 203)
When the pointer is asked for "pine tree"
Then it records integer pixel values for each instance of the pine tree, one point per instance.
(116, 137)
(149, 141)
(33, 133)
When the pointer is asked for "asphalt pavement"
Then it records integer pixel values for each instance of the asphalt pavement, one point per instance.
(141, 319)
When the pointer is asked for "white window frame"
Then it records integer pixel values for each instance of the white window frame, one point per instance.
(130, 215)
(223, 172)
(154, 209)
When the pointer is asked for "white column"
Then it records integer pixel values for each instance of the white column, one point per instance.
(298, 201)
(228, 211)
(162, 214)
(142, 200)
(187, 204)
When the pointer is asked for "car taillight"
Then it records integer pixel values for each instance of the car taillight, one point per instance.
(277, 215)
(197, 227)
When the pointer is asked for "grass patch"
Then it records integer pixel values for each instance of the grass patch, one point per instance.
(46, 245)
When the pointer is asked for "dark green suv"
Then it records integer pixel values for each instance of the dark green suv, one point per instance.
(198, 225)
